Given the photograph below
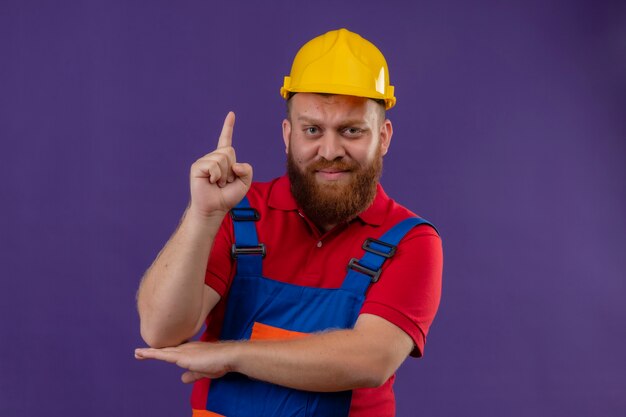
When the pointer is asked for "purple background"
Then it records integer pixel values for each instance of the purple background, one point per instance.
(510, 135)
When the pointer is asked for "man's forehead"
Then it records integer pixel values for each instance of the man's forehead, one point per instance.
(318, 105)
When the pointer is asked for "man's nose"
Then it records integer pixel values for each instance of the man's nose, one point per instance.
(331, 147)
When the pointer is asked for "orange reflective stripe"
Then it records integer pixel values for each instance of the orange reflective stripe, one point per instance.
(205, 413)
(262, 331)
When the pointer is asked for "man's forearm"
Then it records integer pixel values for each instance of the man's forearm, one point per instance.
(365, 356)
(171, 296)
(310, 364)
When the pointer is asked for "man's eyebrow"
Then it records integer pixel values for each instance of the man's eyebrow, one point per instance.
(344, 123)
(309, 120)
(354, 122)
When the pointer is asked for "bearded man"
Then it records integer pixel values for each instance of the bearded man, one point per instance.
(314, 287)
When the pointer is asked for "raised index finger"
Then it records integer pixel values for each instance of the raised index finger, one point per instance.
(226, 137)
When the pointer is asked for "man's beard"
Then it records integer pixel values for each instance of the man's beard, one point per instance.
(331, 203)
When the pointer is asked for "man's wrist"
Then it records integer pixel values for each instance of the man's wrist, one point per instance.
(200, 220)
(236, 353)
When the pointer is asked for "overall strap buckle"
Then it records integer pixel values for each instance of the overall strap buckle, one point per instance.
(356, 266)
(259, 249)
(377, 251)
(246, 250)
(376, 247)
(244, 214)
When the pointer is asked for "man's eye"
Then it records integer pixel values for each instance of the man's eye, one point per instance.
(312, 130)
(353, 131)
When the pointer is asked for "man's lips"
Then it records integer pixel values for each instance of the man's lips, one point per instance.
(331, 170)
(331, 174)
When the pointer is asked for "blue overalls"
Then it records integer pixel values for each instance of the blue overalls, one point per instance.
(255, 302)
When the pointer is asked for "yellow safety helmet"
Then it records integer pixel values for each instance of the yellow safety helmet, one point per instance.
(340, 62)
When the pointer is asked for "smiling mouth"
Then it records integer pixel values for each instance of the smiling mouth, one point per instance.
(331, 171)
(331, 175)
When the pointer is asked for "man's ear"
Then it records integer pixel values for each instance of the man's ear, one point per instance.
(286, 133)
(386, 132)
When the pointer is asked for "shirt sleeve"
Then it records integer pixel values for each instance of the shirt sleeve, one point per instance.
(220, 265)
(409, 289)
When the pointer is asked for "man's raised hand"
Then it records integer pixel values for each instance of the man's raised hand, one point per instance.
(217, 181)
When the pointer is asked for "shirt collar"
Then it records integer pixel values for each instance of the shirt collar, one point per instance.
(281, 198)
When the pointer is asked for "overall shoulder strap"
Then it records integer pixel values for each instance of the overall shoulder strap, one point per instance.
(247, 251)
(362, 272)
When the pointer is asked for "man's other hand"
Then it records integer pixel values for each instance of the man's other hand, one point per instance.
(200, 359)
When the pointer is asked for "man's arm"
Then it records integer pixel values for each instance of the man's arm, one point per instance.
(365, 356)
(172, 299)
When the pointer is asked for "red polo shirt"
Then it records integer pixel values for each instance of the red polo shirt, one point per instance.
(406, 295)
